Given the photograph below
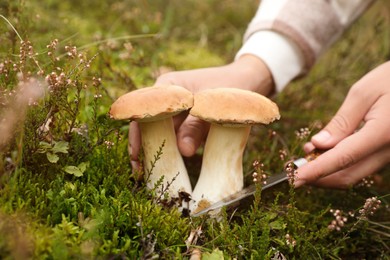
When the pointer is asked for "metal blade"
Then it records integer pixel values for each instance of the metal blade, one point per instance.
(242, 194)
(250, 190)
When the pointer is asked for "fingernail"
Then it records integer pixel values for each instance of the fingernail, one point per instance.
(299, 183)
(187, 146)
(188, 140)
(322, 136)
(309, 147)
(134, 164)
(130, 150)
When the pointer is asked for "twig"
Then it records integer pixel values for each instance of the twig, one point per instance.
(379, 232)
(13, 28)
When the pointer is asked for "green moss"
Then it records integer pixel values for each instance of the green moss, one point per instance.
(69, 191)
(187, 55)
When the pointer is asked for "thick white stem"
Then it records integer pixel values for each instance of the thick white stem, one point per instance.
(170, 165)
(221, 173)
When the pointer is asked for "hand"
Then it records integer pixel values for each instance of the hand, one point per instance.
(248, 72)
(358, 136)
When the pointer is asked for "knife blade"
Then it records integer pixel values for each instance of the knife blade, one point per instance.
(250, 190)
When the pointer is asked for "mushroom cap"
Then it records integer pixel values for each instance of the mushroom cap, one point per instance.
(152, 103)
(234, 107)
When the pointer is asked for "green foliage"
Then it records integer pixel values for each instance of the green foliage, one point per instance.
(67, 189)
(51, 150)
(183, 56)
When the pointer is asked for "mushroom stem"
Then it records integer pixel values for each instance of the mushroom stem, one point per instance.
(221, 173)
(170, 164)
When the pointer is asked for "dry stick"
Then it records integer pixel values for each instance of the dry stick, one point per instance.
(13, 28)
(379, 224)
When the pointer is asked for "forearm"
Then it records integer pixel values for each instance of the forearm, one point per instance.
(247, 72)
(255, 73)
(306, 28)
(279, 54)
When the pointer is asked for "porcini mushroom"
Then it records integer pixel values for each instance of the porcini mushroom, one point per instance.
(231, 112)
(153, 108)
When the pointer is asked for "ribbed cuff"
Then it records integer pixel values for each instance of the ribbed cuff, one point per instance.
(280, 54)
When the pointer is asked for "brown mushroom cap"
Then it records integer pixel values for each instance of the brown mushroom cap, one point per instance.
(233, 106)
(152, 103)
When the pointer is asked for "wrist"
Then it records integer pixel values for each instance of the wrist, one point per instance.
(275, 50)
(256, 75)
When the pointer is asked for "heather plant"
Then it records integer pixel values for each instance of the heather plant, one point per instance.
(67, 189)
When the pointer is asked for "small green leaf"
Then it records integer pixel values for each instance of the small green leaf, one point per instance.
(43, 147)
(50, 194)
(272, 215)
(53, 158)
(74, 170)
(277, 225)
(82, 166)
(215, 255)
(60, 147)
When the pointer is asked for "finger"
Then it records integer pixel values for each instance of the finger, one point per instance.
(346, 120)
(346, 153)
(179, 119)
(345, 178)
(134, 144)
(166, 79)
(191, 134)
(309, 147)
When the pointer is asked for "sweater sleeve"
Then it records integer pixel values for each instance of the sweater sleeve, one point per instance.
(294, 33)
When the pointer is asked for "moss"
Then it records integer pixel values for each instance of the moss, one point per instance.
(67, 189)
(187, 55)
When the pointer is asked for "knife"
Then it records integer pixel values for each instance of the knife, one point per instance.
(250, 190)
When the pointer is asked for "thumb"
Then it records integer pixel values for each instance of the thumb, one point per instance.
(336, 130)
(134, 144)
(191, 134)
(343, 124)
